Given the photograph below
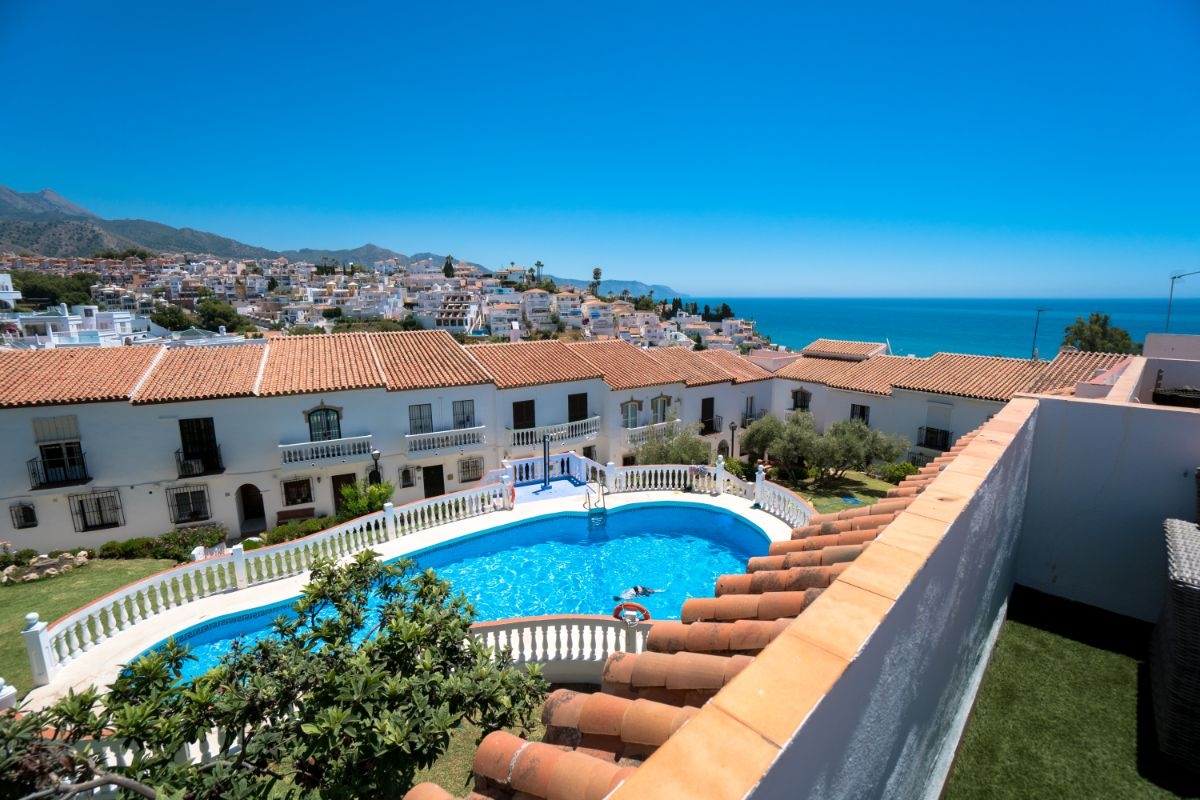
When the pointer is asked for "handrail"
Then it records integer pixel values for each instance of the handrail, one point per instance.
(558, 638)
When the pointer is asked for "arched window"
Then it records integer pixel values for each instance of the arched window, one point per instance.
(324, 423)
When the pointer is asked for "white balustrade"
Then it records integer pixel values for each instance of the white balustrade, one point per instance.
(351, 448)
(636, 437)
(665, 478)
(456, 439)
(783, 503)
(566, 646)
(581, 430)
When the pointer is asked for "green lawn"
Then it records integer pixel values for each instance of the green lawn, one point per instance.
(453, 770)
(55, 597)
(1064, 711)
(831, 497)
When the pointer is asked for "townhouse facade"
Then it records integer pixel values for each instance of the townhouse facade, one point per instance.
(112, 443)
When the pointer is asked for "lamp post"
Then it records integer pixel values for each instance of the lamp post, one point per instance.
(1171, 296)
(732, 438)
(375, 478)
(1037, 320)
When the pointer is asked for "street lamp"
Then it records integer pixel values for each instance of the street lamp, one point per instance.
(375, 478)
(1036, 322)
(1171, 296)
(732, 438)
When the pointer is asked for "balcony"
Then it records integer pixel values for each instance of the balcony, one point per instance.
(751, 417)
(636, 437)
(455, 439)
(580, 431)
(330, 451)
(49, 474)
(712, 425)
(934, 439)
(199, 462)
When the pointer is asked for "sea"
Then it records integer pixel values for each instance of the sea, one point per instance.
(978, 326)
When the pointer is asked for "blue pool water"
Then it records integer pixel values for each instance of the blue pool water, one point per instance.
(563, 564)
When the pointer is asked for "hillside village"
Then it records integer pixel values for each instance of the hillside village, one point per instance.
(512, 304)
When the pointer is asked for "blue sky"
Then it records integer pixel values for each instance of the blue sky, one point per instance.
(1038, 149)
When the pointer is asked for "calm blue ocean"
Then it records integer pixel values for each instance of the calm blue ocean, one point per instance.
(922, 327)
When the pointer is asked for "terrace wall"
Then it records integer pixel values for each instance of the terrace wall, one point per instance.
(888, 725)
(1103, 478)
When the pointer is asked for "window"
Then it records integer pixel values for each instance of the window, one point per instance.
(629, 414)
(406, 477)
(470, 469)
(24, 515)
(801, 399)
(297, 492)
(420, 419)
(61, 462)
(658, 409)
(935, 438)
(188, 503)
(577, 407)
(464, 413)
(96, 510)
(324, 424)
(523, 415)
(198, 451)
(628, 460)
(860, 412)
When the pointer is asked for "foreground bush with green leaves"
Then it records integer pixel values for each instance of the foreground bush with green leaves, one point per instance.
(343, 702)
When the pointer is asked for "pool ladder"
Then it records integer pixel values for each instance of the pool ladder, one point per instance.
(597, 508)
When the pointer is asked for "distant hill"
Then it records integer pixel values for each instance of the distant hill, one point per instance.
(46, 224)
(615, 287)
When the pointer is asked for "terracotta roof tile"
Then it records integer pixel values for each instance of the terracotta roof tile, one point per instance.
(1067, 369)
(742, 369)
(532, 363)
(624, 366)
(688, 365)
(327, 363)
(875, 375)
(425, 360)
(844, 349)
(980, 377)
(72, 375)
(203, 373)
(815, 370)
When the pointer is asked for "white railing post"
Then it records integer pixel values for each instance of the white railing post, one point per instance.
(240, 578)
(760, 479)
(610, 476)
(509, 492)
(389, 518)
(720, 474)
(37, 644)
(8, 695)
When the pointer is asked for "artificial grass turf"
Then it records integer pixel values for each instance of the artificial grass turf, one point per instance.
(52, 598)
(1064, 711)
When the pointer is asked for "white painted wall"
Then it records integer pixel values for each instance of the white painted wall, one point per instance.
(1103, 479)
(885, 727)
(612, 432)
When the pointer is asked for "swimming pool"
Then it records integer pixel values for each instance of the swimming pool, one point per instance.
(567, 563)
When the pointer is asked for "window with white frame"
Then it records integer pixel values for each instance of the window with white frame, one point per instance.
(297, 492)
(464, 413)
(24, 515)
(420, 418)
(659, 408)
(629, 414)
(188, 503)
(470, 469)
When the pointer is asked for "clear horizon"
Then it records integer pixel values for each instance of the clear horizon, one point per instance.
(1030, 150)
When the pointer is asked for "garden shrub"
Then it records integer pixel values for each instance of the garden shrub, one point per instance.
(296, 529)
(894, 473)
(176, 545)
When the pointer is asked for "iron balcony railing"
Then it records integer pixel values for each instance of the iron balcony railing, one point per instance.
(713, 424)
(749, 418)
(934, 438)
(45, 474)
(202, 462)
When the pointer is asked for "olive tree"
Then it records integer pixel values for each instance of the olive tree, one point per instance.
(345, 699)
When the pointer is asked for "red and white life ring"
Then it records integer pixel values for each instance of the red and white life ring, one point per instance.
(619, 611)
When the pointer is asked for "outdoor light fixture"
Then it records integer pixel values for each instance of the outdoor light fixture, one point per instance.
(732, 438)
(1171, 296)
(375, 478)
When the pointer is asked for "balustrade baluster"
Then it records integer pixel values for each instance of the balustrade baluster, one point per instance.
(69, 642)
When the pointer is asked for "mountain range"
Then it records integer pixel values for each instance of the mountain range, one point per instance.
(47, 224)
